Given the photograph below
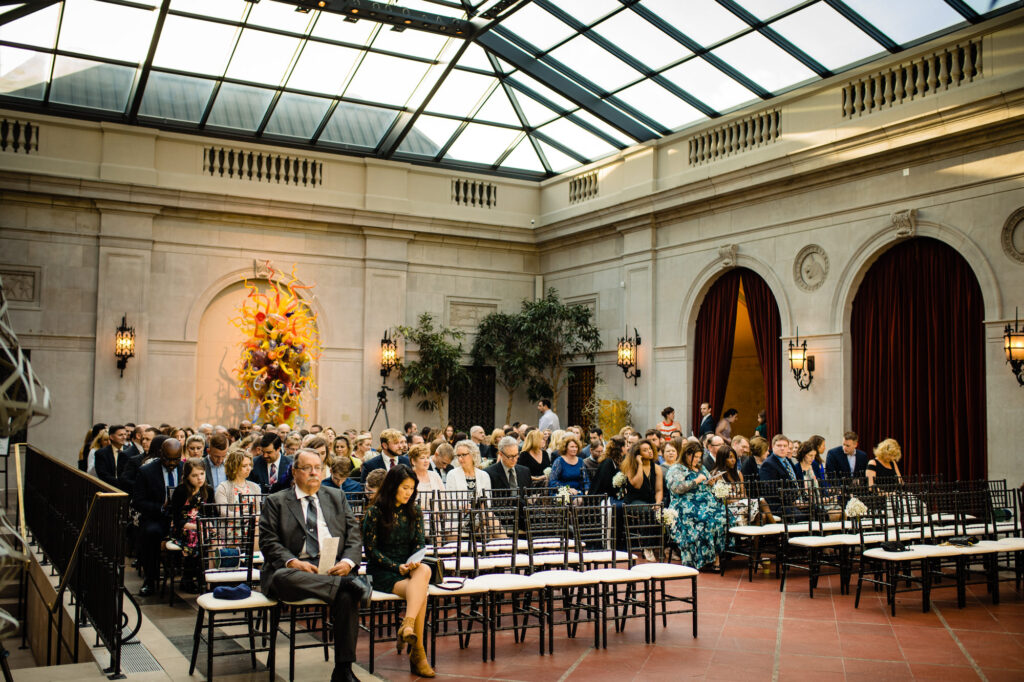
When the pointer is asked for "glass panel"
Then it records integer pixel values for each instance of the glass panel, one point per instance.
(656, 102)
(587, 11)
(641, 40)
(705, 21)
(826, 35)
(279, 16)
(196, 46)
(765, 9)
(428, 135)
(176, 98)
(297, 115)
(23, 73)
(558, 161)
(262, 57)
(323, 68)
(763, 62)
(240, 106)
(86, 83)
(498, 109)
(537, 26)
(543, 91)
(595, 63)
(571, 136)
(38, 28)
(223, 9)
(604, 127)
(524, 157)
(907, 21)
(334, 27)
(104, 30)
(535, 112)
(358, 125)
(708, 84)
(410, 42)
(984, 6)
(386, 79)
(460, 93)
(475, 57)
(481, 144)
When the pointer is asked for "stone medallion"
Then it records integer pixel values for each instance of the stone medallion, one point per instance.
(810, 267)
(1013, 236)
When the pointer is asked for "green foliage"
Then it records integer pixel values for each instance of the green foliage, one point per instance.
(497, 344)
(437, 371)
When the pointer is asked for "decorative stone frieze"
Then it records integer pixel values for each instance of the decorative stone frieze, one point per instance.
(905, 223)
(583, 187)
(474, 193)
(1013, 236)
(810, 269)
(727, 255)
(741, 135)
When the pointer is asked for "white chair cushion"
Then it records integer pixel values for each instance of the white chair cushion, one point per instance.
(563, 578)
(256, 600)
(257, 557)
(230, 576)
(1014, 544)
(384, 596)
(549, 559)
(492, 563)
(659, 570)
(508, 582)
(879, 553)
(818, 541)
(937, 551)
(614, 575)
(984, 547)
(308, 601)
(464, 564)
(600, 556)
(768, 529)
(468, 588)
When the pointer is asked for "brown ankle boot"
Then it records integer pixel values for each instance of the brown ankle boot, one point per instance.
(407, 634)
(418, 664)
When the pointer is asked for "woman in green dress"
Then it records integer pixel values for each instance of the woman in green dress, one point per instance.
(393, 532)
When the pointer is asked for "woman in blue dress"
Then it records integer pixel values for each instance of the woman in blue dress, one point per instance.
(699, 530)
(568, 468)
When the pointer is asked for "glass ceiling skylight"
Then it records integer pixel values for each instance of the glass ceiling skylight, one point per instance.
(542, 86)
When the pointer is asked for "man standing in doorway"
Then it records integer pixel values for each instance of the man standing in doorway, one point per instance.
(548, 418)
(707, 422)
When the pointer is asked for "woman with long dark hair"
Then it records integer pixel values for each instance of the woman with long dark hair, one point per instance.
(607, 467)
(393, 532)
(186, 505)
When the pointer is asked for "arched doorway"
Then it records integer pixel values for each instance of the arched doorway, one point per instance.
(736, 351)
(917, 339)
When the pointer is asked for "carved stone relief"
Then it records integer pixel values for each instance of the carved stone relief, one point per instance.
(20, 285)
(905, 223)
(727, 254)
(810, 269)
(468, 315)
(260, 268)
(1013, 236)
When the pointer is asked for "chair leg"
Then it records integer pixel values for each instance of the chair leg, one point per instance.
(291, 643)
(195, 640)
(209, 647)
(860, 582)
(693, 588)
(274, 616)
(252, 638)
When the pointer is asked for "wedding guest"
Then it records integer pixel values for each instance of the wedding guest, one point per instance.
(883, 469)
(237, 467)
(699, 529)
(535, 458)
(668, 423)
(341, 478)
(467, 476)
(643, 476)
(568, 469)
(427, 481)
(186, 505)
(604, 480)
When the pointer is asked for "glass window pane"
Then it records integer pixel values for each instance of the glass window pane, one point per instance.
(385, 79)
(195, 46)
(583, 142)
(558, 161)
(104, 30)
(705, 21)
(763, 62)
(535, 112)
(524, 157)
(222, 9)
(475, 57)
(657, 103)
(38, 28)
(542, 90)
(460, 93)
(708, 84)
(905, 22)
(297, 115)
(428, 135)
(357, 125)
(91, 84)
(587, 11)
(595, 63)
(177, 98)
(765, 9)
(537, 26)
(826, 35)
(323, 68)
(604, 127)
(240, 106)
(410, 42)
(262, 57)
(280, 16)
(334, 27)
(641, 39)
(23, 73)
(498, 109)
(481, 144)
(984, 6)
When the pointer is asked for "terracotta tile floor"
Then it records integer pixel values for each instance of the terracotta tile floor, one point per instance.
(747, 631)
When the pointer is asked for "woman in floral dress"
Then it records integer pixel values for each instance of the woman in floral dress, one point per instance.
(699, 530)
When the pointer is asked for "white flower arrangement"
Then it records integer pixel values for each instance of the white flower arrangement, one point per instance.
(619, 481)
(564, 495)
(547, 472)
(855, 508)
(668, 516)
(722, 490)
(484, 463)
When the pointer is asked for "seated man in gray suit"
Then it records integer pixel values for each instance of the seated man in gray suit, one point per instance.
(293, 525)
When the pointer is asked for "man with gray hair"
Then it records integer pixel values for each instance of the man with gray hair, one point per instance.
(505, 473)
(479, 436)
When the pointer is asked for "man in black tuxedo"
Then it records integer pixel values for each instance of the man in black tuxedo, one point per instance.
(271, 470)
(150, 497)
(293, 526)
(846, 460)
(390, 454)
(707, 422)
(112, 459)
(505, 473)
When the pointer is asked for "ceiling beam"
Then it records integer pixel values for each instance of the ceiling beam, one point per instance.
(863, 24)
(965, 10)
(21, 12)
(771, 34)
(139, 87)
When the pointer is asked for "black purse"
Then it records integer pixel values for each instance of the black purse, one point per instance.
(437, 576)
(894, 547)
(962, 541)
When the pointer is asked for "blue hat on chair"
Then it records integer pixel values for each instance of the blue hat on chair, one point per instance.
(237, 592)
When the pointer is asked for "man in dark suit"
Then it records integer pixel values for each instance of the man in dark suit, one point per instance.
(846, 460)
(150, 497)
(293, 526)
(777, 467)
(271, 471)
(213, 463)
(390, 454)
(112, 459)
(505, 473)
(441, 460)
(707, 422)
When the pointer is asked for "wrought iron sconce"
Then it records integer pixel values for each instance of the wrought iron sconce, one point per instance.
(627, 358)
(800, 362)
(388, 354)
(124, 344)
(1013, 344)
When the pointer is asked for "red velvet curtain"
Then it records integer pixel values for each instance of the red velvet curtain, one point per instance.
(918, 360)
(764, 319)
(712, 351)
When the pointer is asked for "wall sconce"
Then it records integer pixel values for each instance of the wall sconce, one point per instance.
(1013, 344)
(124, 344)
(800, 362)
(388, 354)
(627, 359)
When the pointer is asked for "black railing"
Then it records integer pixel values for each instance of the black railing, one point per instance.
(78, 523)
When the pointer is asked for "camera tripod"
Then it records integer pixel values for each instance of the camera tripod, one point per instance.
(382, 404)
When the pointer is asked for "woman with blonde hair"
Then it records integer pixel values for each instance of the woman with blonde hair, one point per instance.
(555, 442)
(883, 469)
(101, 441)
(534, 457)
